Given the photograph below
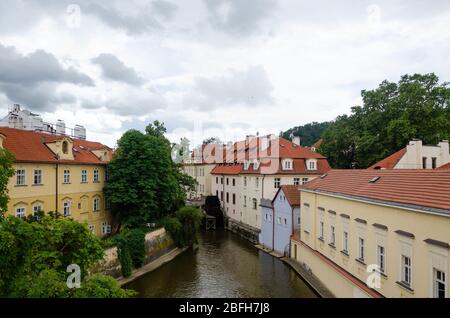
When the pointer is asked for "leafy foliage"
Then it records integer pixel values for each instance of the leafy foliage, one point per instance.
(34, 255)
(309, 133)
(144, 183)
(6, 172)
(131, 248)
(393, 114)
(183, 227)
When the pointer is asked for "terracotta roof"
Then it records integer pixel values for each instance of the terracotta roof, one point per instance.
(226, 168)
(317, 144)
(422, 189)
(447, 166)
(299, 167)
(30, 146)
(391, 161)
(292, 194)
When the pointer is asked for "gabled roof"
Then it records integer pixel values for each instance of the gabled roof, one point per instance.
(317, 144)
(292, 194)
(30, 146)
(447, 166)
(391, 161)
(225, 168)
(418, 189)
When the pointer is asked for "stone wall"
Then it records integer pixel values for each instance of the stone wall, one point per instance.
(157, 243)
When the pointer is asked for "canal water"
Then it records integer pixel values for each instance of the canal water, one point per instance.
(223, 265)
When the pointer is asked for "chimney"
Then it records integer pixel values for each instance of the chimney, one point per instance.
(445, 151)
(296, 140)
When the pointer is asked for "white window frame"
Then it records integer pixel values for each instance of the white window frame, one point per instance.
(345, 241)
(255, 204)
(277, 183)
(84, 176)
(96, 175)
(96, 204)
(361, 248)
(37, 208)
(437, 281)
(66, 176)
(21, 177)
(332, 235)
(37, 174)
(406, 270)
(67, 208)
(297, 181)
(381, 258)
(92, 229)
(21, 212)
(305, 180)
(321, 231)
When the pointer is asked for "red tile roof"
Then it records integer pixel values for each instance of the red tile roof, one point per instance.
(447, 166)
(226, 168)
(415, 188)
(391, 161)
(30, 146)
(292, 194)
(317, 144)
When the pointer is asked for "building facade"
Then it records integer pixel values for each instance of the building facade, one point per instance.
(56, 173)
(377, 233)
(279, 219)
(416, 155)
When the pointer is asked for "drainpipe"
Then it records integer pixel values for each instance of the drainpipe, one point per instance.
(56, 188)
(273, 227)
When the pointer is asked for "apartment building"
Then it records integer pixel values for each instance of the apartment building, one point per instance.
(58, 173)
(377, 233)
(416, 155)
(259, 166)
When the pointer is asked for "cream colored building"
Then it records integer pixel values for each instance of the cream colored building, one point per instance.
(377, 233)
(416, 155)
(56, 173)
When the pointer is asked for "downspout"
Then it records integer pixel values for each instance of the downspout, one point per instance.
(273, 227)
(56, 188)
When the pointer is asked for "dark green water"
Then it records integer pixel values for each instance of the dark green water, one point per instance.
(223, 265)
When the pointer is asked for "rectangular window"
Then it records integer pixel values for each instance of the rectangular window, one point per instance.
(304, 180)
(37, 177)
(96, 178)
(255, 204)
(92, 229)
(245, 181)
(424, 162)
(21, 213)
(20, 177)
(36, 209)
(277, 183)
(296, 181)
(234, 198)
(439, 284)
(321, 230)
(361, 249)
(333, 236)
(96, 204)
(221, 196)
(228, 181)
(66, 208)
(279, 220)
(66, 176)
(106, 229)
(345, 242)
(217, 180)
(245, 200)
(234, 182)
(228, 197)
(434, 162)
(406, 270)
(83, 176)
(285, 221)
(381, 258)
(257, 182)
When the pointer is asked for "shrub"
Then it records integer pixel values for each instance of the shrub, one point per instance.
(125, 260)
(101, 286)
(131, 248)
(184, 226)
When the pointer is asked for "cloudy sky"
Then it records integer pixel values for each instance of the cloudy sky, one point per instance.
(222, 68)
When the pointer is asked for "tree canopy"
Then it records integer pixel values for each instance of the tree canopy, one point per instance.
(6, 172)
(418, 106)
(308, 133)
(144, 184)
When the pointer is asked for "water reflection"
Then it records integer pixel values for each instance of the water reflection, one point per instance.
(224, 265)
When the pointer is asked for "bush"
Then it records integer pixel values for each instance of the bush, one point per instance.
(101, 286)
(184, 226)
(131, 249)
(125, 260)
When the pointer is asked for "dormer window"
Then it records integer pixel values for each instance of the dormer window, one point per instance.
(65, 147)
(246, 165)
(311, 164)
(255, 164)
(287, 164)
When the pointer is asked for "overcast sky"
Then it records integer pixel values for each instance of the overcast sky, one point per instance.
(222, 68)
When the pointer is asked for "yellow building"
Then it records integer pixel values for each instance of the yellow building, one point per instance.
(377, 233)
(58, 173)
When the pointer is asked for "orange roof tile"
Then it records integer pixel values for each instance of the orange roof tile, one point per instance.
(226, 168)
(389, 162)
(447, 166)
(30, 146)
(292, 194)
(414, 188)
(317, 144)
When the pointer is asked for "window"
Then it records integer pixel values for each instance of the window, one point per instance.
(37, 177)
(83, 176)
(36, 209)
(20, 177)
(361, 249)
(245, 200)
(228, 181)
(246, 165)
(277, 183)
(96, 178)
(321, 230)
(255, 204)
(296, 181)
(287, 165)
(21, 213)
(298, 220)
(424, 162)
(245, 181)
(434, 162)
(312, 165)
(279, 220)
(406, 270)
(66, 176)
(439, 284)
(333, 236)
(92, 229)
(217, 193)
(234, 198)
(304, 180)
(345, 242)
(228, 197)
(65, 147)
(96, 204)
(381, 258)
(257, 182)
(106, 229)
(285, 221)
(66, 208)
(234, 182)
(221, 196)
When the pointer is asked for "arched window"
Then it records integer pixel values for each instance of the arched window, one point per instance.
(66, 207)
(65, 147)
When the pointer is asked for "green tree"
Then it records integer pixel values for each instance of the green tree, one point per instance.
(6, 172)
(212, 140)
(144, 183)
(34, 256)
(184, 226)
(392, 114)
(309, 133)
